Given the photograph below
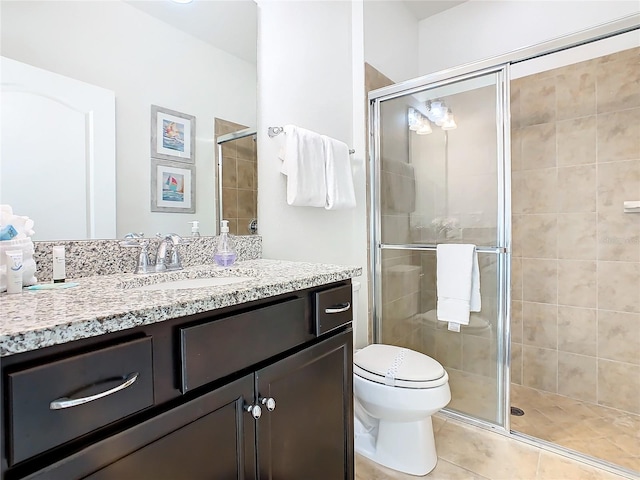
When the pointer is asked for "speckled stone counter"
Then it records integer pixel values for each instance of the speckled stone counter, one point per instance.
(109, 303)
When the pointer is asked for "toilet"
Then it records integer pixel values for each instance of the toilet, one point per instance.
(396, 391)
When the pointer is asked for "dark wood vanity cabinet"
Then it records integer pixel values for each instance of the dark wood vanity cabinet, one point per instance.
(256, 392)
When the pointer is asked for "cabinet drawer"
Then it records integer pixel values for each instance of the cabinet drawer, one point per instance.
(333, 308)
(221, 347)
(56, 402)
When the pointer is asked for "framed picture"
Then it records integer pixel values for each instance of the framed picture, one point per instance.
(173, 135)
(173, 187)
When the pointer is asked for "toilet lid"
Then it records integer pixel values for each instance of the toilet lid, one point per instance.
(399, 367)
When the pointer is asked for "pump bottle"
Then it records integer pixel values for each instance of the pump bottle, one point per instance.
(225, 254)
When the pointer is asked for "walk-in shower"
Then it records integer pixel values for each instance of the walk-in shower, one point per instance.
(545, 153)
(237, 186)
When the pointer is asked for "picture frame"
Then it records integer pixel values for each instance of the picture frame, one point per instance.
(173, 135)
(173, 187)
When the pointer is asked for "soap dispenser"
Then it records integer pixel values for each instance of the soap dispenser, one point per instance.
(224, 254)
(195, 228)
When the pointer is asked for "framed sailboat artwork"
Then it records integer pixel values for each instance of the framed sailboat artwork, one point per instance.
(173, 187)
(173, 135)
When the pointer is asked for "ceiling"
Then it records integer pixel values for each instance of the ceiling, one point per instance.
(228, 25)
(232, 25)
(422, 9)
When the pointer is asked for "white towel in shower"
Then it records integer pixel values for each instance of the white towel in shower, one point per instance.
(458, 283)
(304, 165)
(340, 191)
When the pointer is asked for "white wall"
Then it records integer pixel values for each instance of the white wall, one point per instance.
(305, 67)
(144, 61)
(391, 39)
(480, 29)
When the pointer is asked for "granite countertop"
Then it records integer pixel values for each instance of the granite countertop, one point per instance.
(109, 303)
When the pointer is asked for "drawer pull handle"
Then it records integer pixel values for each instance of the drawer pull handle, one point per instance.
(341, 307)
(66, 402)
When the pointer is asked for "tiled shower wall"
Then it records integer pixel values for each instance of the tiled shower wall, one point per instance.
(576, 255)
(239, 178)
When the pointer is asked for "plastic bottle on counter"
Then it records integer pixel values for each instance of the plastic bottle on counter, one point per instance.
(224, 254)
(195, 228)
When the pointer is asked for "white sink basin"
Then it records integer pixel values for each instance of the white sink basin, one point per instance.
(194, 283)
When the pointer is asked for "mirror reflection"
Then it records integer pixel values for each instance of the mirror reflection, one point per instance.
(197, 59)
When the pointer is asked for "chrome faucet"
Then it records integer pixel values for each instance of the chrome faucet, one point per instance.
(168, 246)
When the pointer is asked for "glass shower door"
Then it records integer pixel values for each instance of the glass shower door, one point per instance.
(439, 177)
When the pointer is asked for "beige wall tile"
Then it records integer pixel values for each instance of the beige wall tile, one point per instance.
(516, 363)
(577, 376)
(229, 173)
(618, 237)
(517, 182)
(515, 103)
(395, 229)
(539, 280)
(577, 189)
(576, 141)
(246, 149)
(576, 91)
(619, 286)
(540, 191)
(516, 321)
(516, 278)
(619, 336)
(516, 147)
(577, 285)
(577, 239)
(246, 204)
(540, 368)
(619, 385)
(619, 135)
(577, 330)
(538, 143)
(229, 203)
(538, 235)
(246, 174)
(617, 181)
(537, 100)
(518, 223)
(618, 84)
(540, 325)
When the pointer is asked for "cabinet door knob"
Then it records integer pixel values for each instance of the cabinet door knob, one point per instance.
(254, 410)
(269, 402)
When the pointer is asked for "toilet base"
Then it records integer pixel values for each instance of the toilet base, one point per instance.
(407, 447)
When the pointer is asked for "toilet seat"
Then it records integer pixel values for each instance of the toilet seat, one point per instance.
(398, 367)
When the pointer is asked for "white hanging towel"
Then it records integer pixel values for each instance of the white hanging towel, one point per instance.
(304, 165)
(458, 283)
(340, 192)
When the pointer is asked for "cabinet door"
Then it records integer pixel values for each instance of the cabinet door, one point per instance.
(220, 444)
(309, 435)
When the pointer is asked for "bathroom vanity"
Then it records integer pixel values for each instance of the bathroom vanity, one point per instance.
(240, 381)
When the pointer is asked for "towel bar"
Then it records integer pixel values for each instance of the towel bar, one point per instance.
(274, 131)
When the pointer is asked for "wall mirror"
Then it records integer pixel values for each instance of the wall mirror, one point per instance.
(196, 59)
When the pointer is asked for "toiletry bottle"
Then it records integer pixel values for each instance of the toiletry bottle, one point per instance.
(224, 254)
(59, 274)
(195, 228)
(14, 271)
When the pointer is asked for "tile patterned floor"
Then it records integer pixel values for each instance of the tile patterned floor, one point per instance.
(470, 453)
(598, 431)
